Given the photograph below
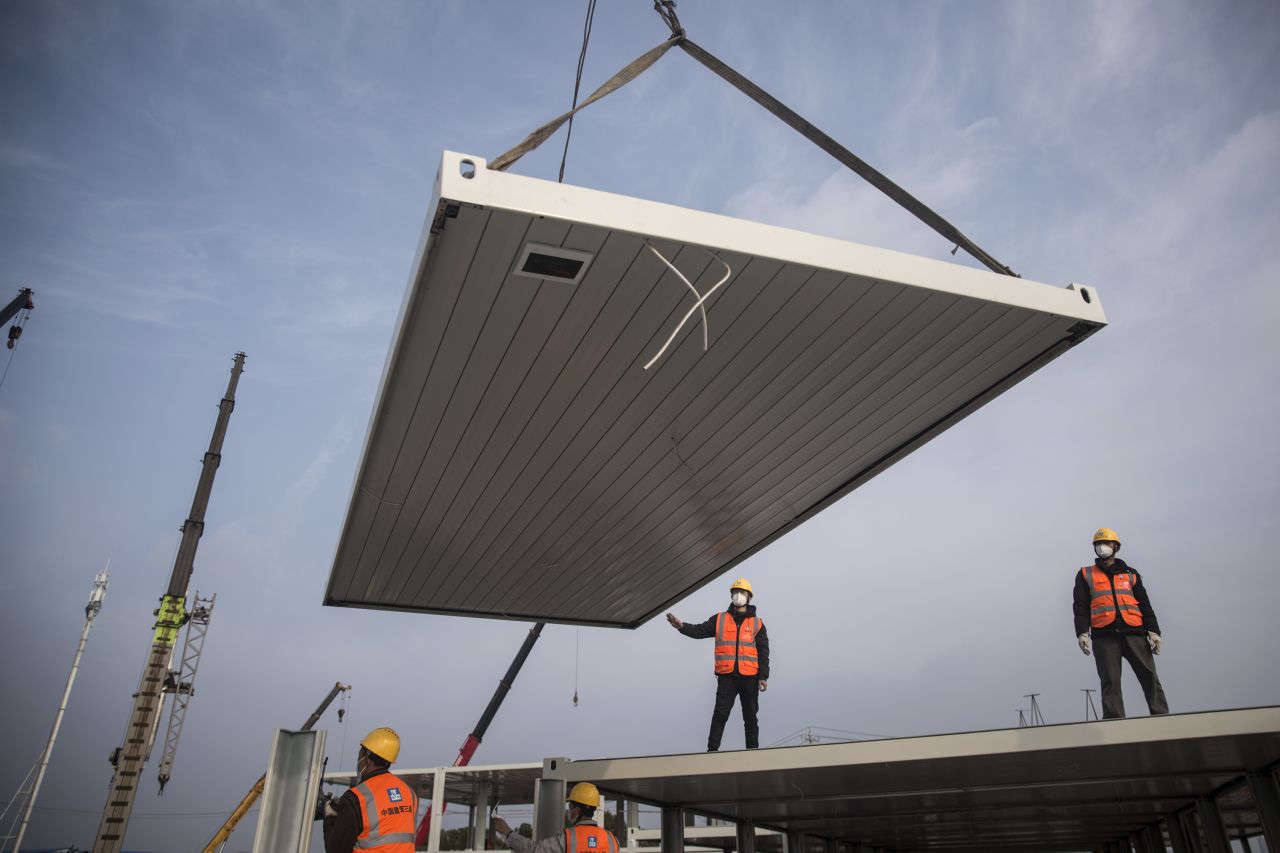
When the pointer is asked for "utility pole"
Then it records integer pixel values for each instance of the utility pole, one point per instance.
(1037, 719)
(171, 615)
(1088, 704)
(91, 609)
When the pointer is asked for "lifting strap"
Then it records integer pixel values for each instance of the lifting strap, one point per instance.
(617, 81)
(773, 105)
(845, 156)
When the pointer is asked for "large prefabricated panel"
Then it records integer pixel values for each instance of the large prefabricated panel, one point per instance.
(523, 462)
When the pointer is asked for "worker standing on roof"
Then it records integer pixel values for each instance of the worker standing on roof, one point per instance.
(741, 661)
(1111, 604)
(581, 834)
(380, 812)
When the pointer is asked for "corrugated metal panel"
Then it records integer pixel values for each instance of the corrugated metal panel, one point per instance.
(520, 462)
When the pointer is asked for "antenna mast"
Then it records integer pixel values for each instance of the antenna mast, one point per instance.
(91, 609)
(171, 615)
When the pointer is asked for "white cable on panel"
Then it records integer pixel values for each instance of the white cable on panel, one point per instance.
(696, 294)
(698, 306)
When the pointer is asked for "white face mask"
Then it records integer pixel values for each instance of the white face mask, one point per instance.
(738, 597)
(1104, 550)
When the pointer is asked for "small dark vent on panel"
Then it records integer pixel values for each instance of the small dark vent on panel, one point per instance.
(552, 263)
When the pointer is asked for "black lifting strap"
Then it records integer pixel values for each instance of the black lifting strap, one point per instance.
(845, 156)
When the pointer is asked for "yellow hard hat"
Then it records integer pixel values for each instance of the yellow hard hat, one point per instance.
(383, 742)
(743, 583)
(1106, 534)
(584, 793)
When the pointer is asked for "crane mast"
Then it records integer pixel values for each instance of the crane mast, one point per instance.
(171, 615)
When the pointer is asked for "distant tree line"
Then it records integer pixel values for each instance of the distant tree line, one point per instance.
(458, 839)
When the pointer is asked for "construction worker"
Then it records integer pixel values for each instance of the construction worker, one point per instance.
(581, 834)
(741, 661)
(380, 812)
(1114, 619)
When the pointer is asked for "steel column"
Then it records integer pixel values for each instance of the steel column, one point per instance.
(1244, 843)
(1263, 787)
(437, 810)
(672, 829)
(1139, 842)
(1211, 822)
(1177, 834)
(1155, 837)
(746, 836)
(794, 842)
(548, 808)
(1191, 827)
(480, 816)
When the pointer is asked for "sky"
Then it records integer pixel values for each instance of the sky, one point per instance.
(180, 181)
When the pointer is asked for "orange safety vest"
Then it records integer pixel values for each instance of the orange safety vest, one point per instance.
(390, 808)
(587, 837)
(737, 644)
(1107, 598)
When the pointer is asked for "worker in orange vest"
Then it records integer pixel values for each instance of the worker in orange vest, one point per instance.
(741, 661)
(380, 812)
(1115, 620)
(581, 834)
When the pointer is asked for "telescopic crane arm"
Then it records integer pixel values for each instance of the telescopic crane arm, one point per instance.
(224, 832)
(21, 301)
(171, 615)
(469, 745)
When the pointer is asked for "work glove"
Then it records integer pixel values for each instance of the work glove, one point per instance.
(324, 806)
(764, 685)
(675, 623)
(1084, 642)
(1155, 641)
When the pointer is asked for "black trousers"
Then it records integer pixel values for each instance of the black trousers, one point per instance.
(1108, 651)
(747, 690)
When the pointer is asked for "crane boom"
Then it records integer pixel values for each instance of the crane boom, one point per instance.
(469, 745)
(19, 302)
(171, 615)
(224, 832)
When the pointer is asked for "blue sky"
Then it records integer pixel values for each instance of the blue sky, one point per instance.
(181, 181)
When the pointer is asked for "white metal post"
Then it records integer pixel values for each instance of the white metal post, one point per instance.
(480, 818)
(96, 596)
(437, 811)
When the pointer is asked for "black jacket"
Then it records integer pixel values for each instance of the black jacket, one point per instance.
(1083, 595)
(708, 629)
